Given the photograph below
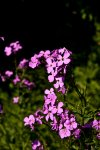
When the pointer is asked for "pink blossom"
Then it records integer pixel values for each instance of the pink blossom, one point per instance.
(59, 107)
(62, 50)
(96, 124)
(64, 116)
(49, 112)
(15, 99)
(46, 53)
(98, 113)
(29, 120)
(16, 46)
(76, 133)
(51, 91)
(3, 78)
(36, 145)
(63, 59)
(22, 63)
(50, 65)
(38, 116)
(8, 51)
(67, 124)
(8, 73)
(73, 124)
(52, 76)
(50, 98)
(54, 124)
(34, 62)
(64, 133)
(16, 80)
(70, 124)
(41, 54)
(62, 89)
(28, 84)
(59, 82)
(98, 136)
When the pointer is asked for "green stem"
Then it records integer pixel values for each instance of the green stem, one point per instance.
(82, 98)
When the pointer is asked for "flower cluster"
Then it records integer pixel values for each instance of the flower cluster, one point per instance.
(60, 119)
(33, 118)
(56, 62)
(53, 112)
(12, 48)
(7, 74)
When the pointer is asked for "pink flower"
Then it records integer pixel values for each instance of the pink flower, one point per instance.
(73, 124)
(64, 133)
(96, 124)
(59, 83)
(50, 111)
(62, 89)
(8, 51)
(36, 145)
(50, 65)
(54, 124)
(59, 107)
(16, 46)
(41, 54)
(63, 59)
(98, 136)
(51, 91)
(16, 80)
(28, 84)
(29, 120)
(22, 63)
(98, 113)
(67, 124)
(46, 53)
(8, 73)
(38, 116)
(3, 78)
(34, 62)
(52, 76)
(76, 133)
(15, 99)
(70, 124)
(62, 50)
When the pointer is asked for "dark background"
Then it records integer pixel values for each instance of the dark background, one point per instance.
(49, 24)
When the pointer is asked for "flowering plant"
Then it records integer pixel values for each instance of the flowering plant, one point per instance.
(72, 123)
